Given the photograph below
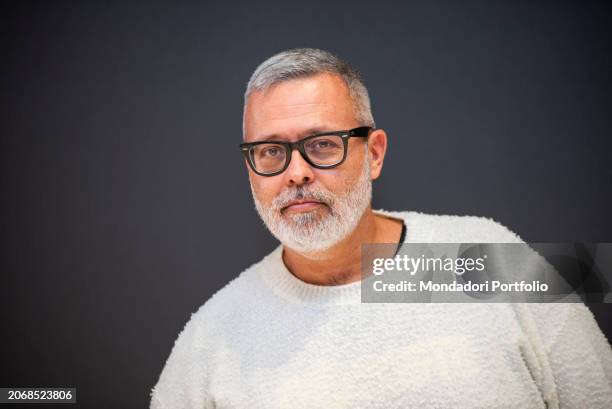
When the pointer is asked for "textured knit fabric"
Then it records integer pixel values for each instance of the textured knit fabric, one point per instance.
(270, 340)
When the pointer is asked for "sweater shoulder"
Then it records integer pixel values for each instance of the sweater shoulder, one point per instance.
(235, 296)
(475, 229)
(195, 344)
(455, 228)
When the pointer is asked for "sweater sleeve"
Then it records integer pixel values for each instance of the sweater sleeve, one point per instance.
(577, 351)
(182, 383)
(579, 355)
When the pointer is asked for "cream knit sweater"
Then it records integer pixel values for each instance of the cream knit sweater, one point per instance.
(270, 340)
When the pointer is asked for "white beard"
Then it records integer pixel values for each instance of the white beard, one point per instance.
(318, 230)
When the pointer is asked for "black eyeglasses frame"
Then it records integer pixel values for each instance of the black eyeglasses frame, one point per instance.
(359, 132)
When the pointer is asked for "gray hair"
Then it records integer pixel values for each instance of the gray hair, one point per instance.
(307, 62)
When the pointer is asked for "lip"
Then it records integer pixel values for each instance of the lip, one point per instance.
(302, 205)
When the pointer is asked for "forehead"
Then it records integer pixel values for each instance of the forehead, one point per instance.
(292, 109)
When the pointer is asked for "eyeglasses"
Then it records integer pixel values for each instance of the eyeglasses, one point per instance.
(322, 151)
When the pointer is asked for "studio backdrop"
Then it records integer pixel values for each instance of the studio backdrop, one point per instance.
(125, 199)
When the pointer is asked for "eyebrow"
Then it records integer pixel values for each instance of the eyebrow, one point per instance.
(308, 132)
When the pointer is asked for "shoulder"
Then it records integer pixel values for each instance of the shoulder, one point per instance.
(207, 326)
(192, 357)
(455, 228)
(470, 228)
(233, 299)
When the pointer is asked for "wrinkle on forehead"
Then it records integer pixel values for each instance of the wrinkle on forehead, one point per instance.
(276, 112)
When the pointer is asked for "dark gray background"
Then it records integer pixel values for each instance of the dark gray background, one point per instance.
(125, 201)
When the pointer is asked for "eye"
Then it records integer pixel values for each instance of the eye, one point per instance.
(271, 151)
(324, 144)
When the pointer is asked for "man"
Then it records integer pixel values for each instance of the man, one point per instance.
(291, 331)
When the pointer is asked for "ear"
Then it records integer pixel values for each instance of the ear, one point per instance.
(377, 147)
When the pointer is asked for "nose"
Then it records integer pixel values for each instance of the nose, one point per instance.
(299, 171)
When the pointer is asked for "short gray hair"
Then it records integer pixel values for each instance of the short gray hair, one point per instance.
(307, 62)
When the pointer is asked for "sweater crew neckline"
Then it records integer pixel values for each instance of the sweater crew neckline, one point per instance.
(278, 277)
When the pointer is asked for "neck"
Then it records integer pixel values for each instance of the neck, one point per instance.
(341, 263)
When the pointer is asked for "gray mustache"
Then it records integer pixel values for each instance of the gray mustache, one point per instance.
(300, 193)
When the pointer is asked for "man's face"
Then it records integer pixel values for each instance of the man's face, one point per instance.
(308, 209)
